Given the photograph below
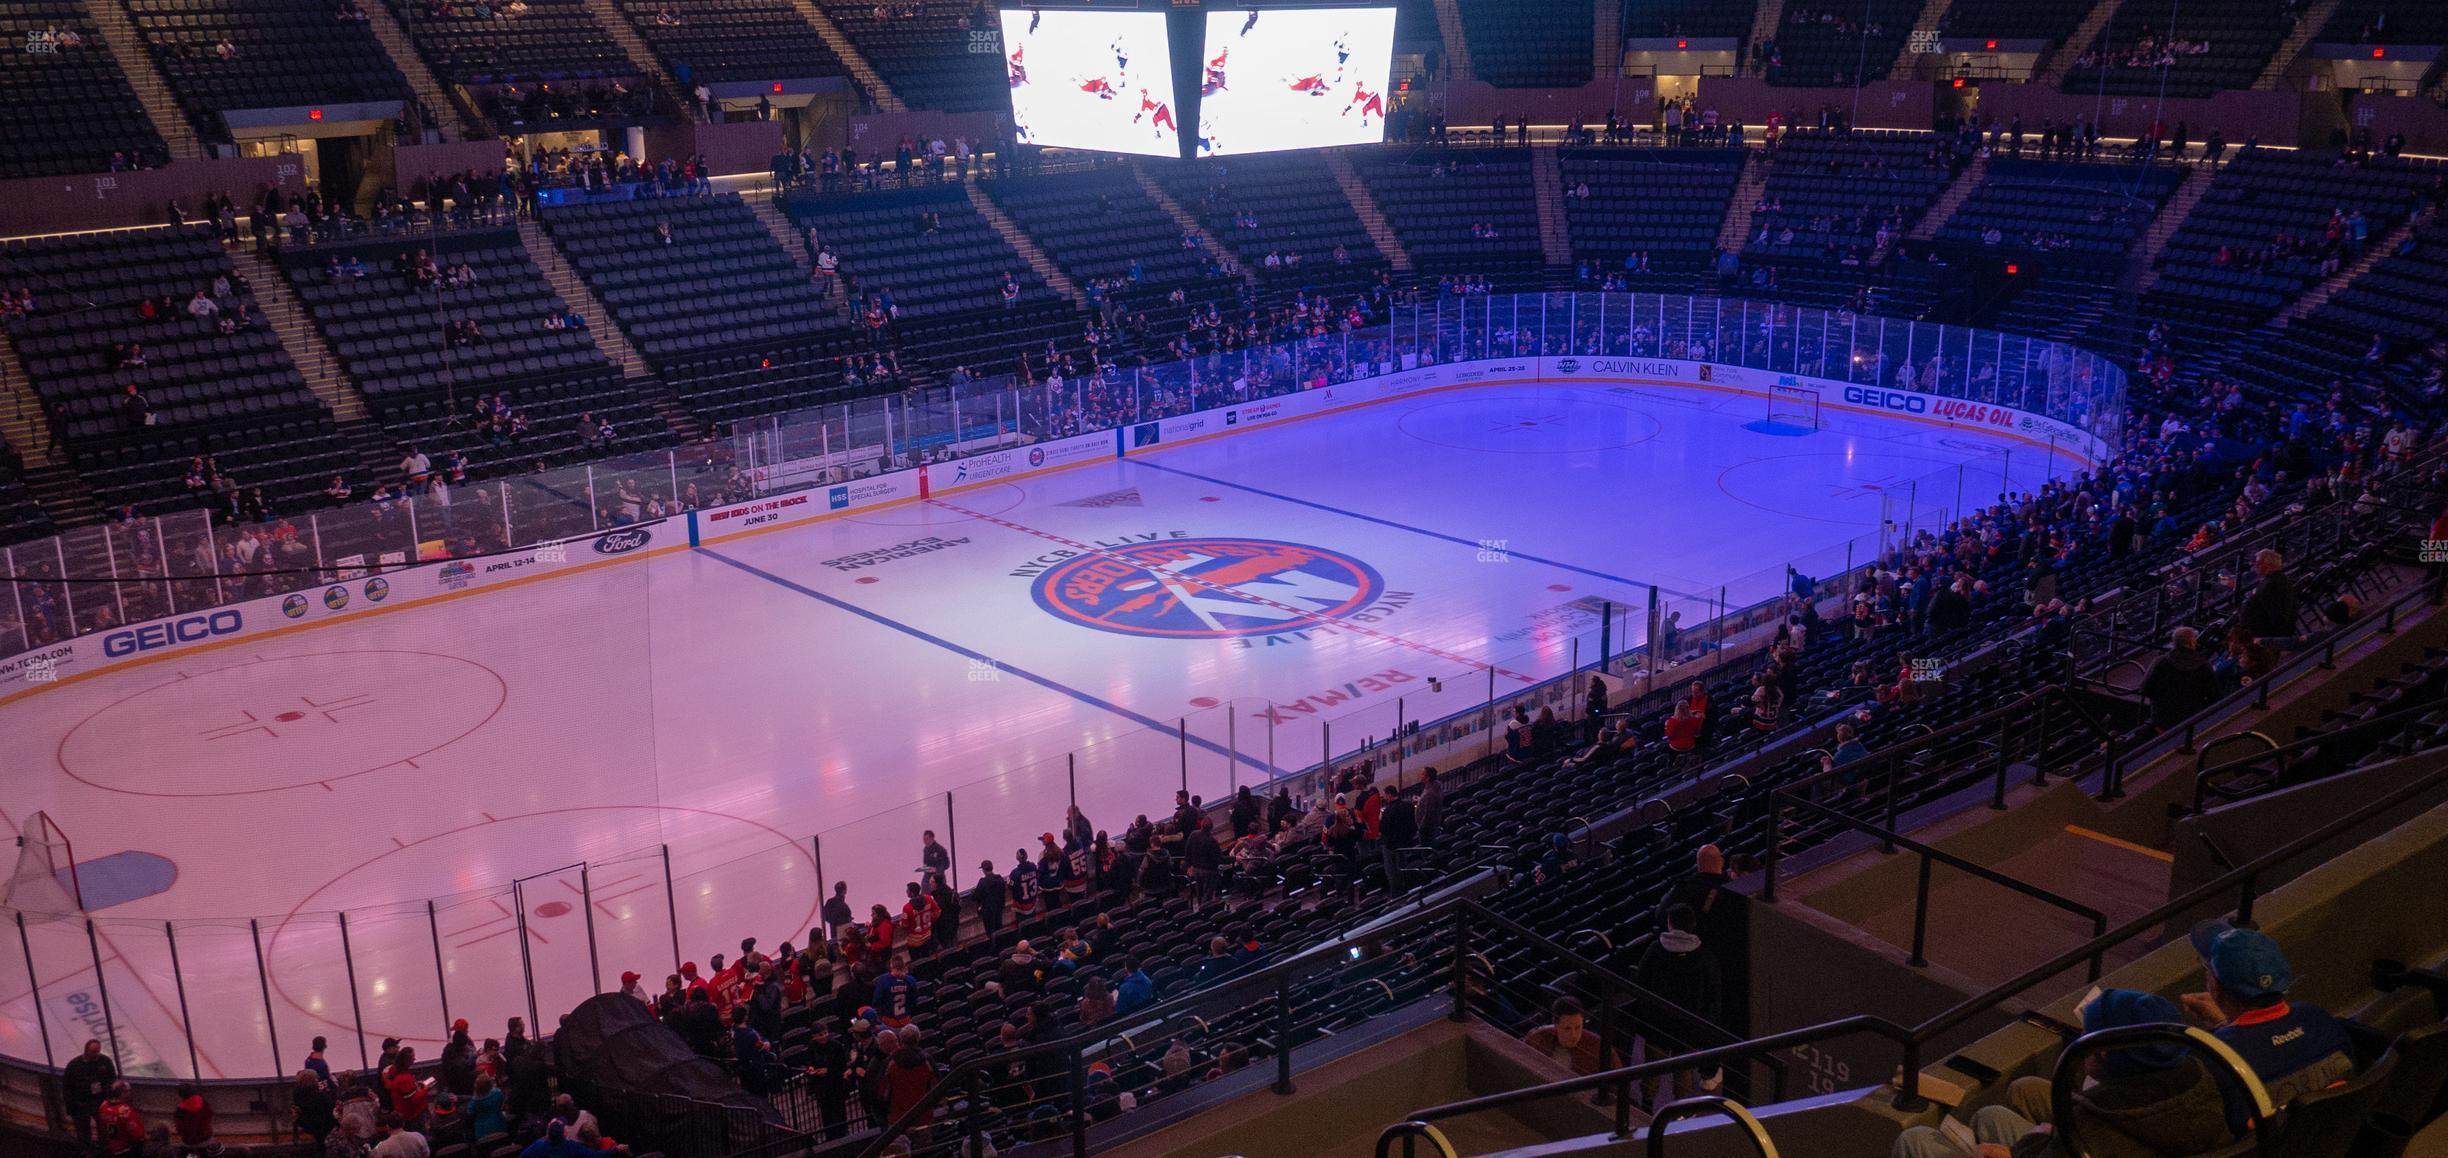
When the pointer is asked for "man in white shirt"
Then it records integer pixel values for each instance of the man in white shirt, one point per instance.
(415, 467)
(398, 1141)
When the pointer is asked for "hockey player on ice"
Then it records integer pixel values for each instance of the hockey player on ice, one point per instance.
(1163, 119)
(1370, 104)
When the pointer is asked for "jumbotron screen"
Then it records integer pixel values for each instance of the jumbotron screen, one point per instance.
(1294, 78)
(1101, 81)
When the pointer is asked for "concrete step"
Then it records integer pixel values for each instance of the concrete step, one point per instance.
(315, 358)
(1025, 246)
(1737, 226)
(439, 100)
(63, 495)
(152, 91)
(860, 69)
(1952, 199)
(640, 55)
(1174, 209)
(573, 289)
(2141, 267)
(1547, 193)
(1457, 46)
(2051, 70)
(1364, 206)
(23, 422)
(2307, 26)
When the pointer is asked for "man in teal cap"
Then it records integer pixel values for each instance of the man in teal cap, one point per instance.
(2295, 1046)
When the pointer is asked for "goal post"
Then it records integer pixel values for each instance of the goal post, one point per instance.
(43, 884)
(1793, 406)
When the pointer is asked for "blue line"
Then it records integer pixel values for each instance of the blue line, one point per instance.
(1148, 722)
(1350, 514)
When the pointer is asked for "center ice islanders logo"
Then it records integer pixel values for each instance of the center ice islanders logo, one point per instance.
(1207, 588)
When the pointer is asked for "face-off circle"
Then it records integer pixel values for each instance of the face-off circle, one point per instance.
(1800, 486)
(289, 722)
(1213, 588)
(478, 928)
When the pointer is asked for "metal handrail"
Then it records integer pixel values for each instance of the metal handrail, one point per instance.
(1711, 1057)
(1928, 854)
(1911, 1040)
(2242, 875)
(2067, 1078)
(2003, 717)
(1682, 1108)
(2201, 774)
(1462, 913)
(2203, 771)
(1409, 1132)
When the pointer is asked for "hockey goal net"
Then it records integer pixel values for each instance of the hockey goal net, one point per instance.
(1794, 406)
(43, 885)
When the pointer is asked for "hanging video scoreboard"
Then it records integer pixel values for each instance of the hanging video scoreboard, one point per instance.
(1187, 78)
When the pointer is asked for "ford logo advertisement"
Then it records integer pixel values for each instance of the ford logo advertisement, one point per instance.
(622, 542)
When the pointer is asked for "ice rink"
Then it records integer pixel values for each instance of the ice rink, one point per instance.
(1215, 613)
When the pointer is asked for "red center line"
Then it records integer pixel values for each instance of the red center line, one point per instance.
(1310, 616)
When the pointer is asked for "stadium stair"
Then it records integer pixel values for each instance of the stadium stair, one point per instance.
(2145, 257)
(861, 70)
(1764, 22)
(1737, 227)
(778, 223)
(2115, 857)
(1547, 191)
(2380, 249)
(2051, 71)
(1180, 216)
(120, 37)
(1457, 46)
(1606, 39)
(429, 90)
(1932, 12)
(1364, 206)
(1951, 200)
(318, 363)
(573, 289)
(64, 494)
(22, 422)
(635, 377)
(641, 57)
(1025, 246)
(2291, 50)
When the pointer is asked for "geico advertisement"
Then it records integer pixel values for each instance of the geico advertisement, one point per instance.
(404, 586)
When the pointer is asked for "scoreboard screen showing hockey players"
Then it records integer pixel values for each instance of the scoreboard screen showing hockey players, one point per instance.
(1091, 80)
(1294, 78)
